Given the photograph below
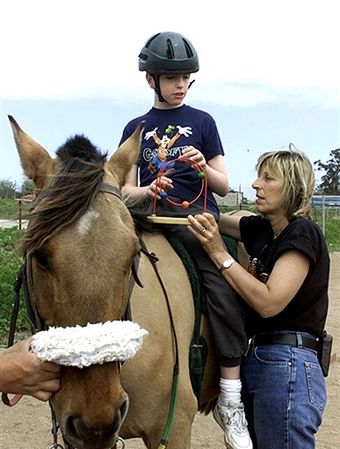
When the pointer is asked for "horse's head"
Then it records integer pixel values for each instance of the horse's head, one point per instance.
(81, 242)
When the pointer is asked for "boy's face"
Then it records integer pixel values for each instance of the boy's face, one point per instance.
(173, 88)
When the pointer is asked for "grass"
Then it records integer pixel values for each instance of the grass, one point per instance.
(9, 209)
(329, 222)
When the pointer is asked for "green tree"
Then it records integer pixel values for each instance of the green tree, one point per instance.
(7, 188)
(27, 187)
(330, 181)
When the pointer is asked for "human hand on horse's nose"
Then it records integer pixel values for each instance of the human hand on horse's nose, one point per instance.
(23, 373)
(47, 389)
(43, 379)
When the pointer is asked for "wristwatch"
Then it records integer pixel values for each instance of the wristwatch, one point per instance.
(227, 264)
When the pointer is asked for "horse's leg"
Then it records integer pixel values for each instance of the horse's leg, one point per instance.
(181, 435)
(186, 409)
(148, 386)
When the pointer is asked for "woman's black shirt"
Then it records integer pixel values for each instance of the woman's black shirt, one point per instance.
(307, 311)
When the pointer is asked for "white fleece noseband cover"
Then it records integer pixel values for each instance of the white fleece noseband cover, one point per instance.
(92, 344)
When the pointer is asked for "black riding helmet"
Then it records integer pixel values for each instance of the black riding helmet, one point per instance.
(168, 53)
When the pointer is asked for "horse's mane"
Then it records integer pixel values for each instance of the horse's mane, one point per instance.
(69, 194)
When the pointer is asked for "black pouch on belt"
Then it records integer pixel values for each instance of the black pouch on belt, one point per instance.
(325, 352)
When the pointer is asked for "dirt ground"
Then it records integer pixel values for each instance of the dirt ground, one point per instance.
(27, 425)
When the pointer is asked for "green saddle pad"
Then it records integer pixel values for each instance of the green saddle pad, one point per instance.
(198, 348)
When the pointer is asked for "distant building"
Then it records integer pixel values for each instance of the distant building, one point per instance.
(231, 199)
(326, 201)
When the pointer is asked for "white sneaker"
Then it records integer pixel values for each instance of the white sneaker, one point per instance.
(232, 420)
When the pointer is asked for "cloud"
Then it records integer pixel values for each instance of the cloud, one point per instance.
(252, 94)
(250, 52)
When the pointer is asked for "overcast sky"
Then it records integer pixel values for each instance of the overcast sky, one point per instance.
(270, 72)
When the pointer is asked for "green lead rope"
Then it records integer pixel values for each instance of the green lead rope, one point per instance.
(168, 427)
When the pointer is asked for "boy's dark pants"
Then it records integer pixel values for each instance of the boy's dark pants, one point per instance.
(226, 310)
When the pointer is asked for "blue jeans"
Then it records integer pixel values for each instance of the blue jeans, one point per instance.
(284, 394)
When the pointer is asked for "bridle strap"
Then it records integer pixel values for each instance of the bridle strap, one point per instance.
(108, 188)
(16, 286)
(32, 313)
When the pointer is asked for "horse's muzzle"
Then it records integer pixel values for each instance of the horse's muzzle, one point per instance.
(78, 435)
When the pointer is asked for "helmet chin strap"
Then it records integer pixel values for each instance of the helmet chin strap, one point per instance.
(157, 87)
(191, 83)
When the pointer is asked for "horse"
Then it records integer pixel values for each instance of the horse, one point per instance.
(82, 245)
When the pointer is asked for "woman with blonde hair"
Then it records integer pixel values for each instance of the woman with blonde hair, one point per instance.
(286, 289)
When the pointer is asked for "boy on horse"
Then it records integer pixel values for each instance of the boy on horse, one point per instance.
(175, 130)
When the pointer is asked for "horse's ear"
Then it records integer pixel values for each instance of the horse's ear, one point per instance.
(127, 154)
(35, 160)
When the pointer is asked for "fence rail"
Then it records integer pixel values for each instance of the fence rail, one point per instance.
(322, 204)
(326, 201)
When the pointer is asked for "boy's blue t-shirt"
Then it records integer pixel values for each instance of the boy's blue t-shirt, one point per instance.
(166, 133)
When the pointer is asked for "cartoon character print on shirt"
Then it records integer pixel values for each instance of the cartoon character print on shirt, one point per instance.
(164, 143)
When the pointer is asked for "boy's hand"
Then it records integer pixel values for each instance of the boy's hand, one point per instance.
(194, 155)
(161, 184)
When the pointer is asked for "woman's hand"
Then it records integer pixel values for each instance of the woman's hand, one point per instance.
(205, 229)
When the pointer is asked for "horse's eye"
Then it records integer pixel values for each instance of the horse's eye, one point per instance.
(41, 259)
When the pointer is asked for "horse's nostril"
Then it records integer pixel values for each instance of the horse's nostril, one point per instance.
(75, 428)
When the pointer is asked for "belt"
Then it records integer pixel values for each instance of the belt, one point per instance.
(291, 339)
